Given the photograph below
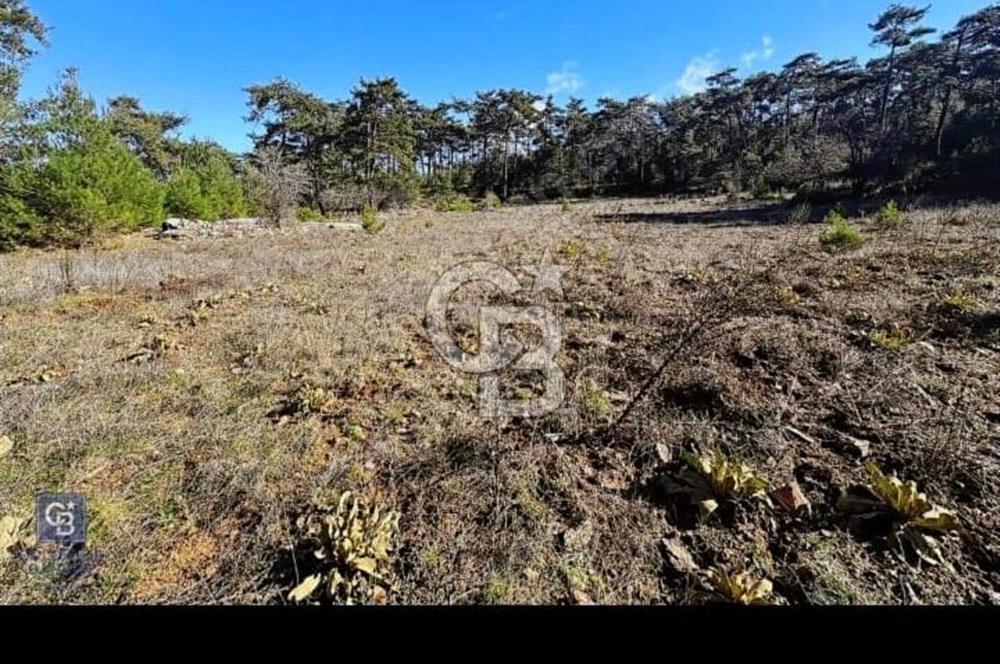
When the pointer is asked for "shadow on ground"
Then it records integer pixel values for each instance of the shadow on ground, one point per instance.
(769, 215)
(764, 214)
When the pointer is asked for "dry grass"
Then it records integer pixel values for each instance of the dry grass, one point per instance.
(202, 394)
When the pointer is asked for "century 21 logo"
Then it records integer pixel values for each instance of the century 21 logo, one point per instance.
(497, 354)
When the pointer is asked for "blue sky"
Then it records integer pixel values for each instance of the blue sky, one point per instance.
(196, 56)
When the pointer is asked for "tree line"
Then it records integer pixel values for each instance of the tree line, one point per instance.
(923, 113)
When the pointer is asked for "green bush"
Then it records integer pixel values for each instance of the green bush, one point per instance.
(306, 214)
(19, 224)
(492, 201)
(840, 235)
(73, 179)
(206, 186)
(94, 188)
(890, 216)
(184, 197)
(370, 219)
(454, 203)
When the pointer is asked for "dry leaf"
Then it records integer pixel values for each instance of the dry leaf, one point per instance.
(791, 498)
(678, 556)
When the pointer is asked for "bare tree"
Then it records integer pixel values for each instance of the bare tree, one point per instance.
(276, 185)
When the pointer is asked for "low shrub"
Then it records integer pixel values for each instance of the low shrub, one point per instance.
(492, 201)
(893, 339)
(307, 214)
(890, 216)
(840, 235)
(595, 401)
(370, 219)
(572, 250)
(454, 203)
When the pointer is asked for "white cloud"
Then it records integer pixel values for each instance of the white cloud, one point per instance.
(768, 46)
(566, 80)
(748, 58)
(697, 71)
(766, 52)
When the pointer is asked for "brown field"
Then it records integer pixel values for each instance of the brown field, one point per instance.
(203, 394)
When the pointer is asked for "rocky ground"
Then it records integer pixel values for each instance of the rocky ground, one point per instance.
(191, 229)
(211, 396)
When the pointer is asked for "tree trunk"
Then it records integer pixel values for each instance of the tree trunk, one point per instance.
(946, 103)
(884, 112)
(506, 148)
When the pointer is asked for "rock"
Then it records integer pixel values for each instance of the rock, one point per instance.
(859, 447)
(791, 498)
(843, 443)
(183, 229)
(345, 226)
(379, 596)
(582, 599)
(578, 539)
(678, 556)
(6, 445)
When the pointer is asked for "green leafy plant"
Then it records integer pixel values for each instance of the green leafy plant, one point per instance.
(741, 588)
(840, 235)
(370, 219)
(306, 399)
(496, 590)
(913, 519)
(708, 479)
(572, 250)
(353, 543)
(960, 302)
(596, 403)
(787, 296)
(356, 433)
(890, 216)
(895, 338)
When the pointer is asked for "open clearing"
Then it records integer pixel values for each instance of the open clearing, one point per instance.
(201, 394)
